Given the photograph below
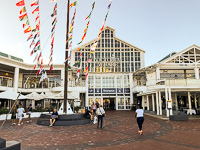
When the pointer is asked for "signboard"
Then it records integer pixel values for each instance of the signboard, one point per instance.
(90, 90)
(108, 90)
(169, 104)
(119, 90)
(98, 90)
(126, 90)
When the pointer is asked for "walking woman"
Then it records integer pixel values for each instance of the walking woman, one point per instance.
(29, 113)
(140, 119)
(13, 116)
(100, 113)
(94, 107)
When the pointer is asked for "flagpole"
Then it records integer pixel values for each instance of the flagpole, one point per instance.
(66, 62)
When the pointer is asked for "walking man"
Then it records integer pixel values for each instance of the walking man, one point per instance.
(140, 119)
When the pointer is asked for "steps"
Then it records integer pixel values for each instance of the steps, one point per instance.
(9, 145)
(64, 120)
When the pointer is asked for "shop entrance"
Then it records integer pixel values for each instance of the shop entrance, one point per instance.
(109, 103)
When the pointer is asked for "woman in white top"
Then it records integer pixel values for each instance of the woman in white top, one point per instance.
(20, 111)
(100, 112)
(140, 118)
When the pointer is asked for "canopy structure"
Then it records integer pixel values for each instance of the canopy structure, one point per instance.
(35, 96)
(12, 95)
(48, 94)
(61, 96)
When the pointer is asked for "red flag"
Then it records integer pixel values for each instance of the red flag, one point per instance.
(36, 9)
(30, 37)
(41, 61)
(34, 67)
(38, 26)
(34, 3)
(21, 3)
(86, 68)
(86, 75)
(38, 15)
(31, 53)
(51, 68)
(23, 16)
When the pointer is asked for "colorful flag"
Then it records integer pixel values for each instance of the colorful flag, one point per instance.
(23, 10)
(53, 0)
(35, 58)
(34, 3)
(26, 23)
(77, 63)
(23, 17)
(93, 47)
(38, 26)
(36, 9)
(70, 38)
(32, 43)
(30, 37)
(89, 60)
(27, 30)
(34, 67)
(34, 30)
(21, 3)
(86, 68)
(73, 4)
(38, 42)
(38, 15)
(54, 21)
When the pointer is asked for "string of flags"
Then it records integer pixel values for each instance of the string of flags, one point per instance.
(54, 14)
(93, 47)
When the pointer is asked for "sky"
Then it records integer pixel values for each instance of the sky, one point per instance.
(158, 27)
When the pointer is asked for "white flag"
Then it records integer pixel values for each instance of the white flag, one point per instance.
(93, 47)
(44, 76)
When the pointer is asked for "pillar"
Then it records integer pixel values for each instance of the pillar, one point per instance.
(147, 102)
(175, 96)
(157, 73)
(166, 98)
(153, 102)
(62, 77)
(33, 104)
(143, 102)
(16, 78)
(196, 73)
(157, 102)
(131, 87)
(195, 100)
(190, 104)
(87, 99)
(170, 98)
(160, 104)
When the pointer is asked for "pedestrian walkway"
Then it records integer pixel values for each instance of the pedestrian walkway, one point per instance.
(120, 132)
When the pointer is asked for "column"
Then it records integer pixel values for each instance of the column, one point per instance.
(87, 100)
(195, 100)
(196, 73)
(166, 98)
(157, 74)
(147, 102)
(170, 98)
(153, 102)
(157, 104)
(175, 96)
(16, 78)
(33, 104)
(131, 88)
(160, 104)
(62, 77)
(190, 104)
(143, 102)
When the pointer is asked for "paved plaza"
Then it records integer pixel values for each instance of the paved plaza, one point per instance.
(120, 132)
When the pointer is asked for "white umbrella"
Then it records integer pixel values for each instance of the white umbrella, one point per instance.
(61, 96)
(34, 96)
(12, 95)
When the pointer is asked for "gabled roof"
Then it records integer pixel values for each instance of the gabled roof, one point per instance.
(185, 55)
(114, 36)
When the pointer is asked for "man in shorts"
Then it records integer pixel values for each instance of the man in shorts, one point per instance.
(20, 112)
(54, 116)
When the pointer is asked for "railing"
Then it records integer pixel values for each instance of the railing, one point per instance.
(7, 82)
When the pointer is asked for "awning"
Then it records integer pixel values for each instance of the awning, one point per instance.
(12, 95)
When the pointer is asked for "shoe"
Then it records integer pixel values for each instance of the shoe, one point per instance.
(18, 124)
(14, 123)
(50, 125)
(27, 121)
(22, 123)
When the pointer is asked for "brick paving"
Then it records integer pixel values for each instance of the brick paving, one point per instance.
(119, 132)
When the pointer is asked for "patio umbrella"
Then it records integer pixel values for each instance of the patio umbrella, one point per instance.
(34, 96)
(12, 95)
(61, 96)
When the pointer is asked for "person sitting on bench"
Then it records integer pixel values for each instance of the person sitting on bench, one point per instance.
(54, 117)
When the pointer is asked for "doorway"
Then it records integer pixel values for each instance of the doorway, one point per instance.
(109, 103)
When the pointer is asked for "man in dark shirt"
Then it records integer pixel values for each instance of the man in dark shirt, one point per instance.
(97, 104)
(54, 116)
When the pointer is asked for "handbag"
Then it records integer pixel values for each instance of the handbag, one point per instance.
(103, 115)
